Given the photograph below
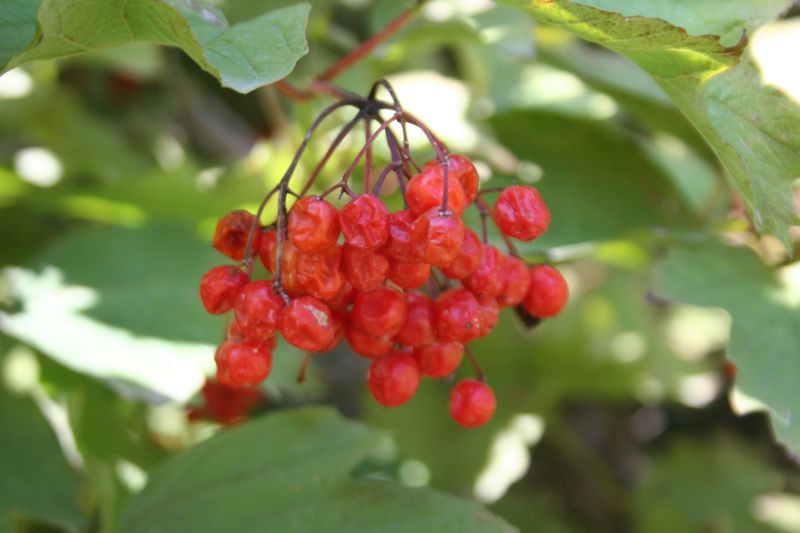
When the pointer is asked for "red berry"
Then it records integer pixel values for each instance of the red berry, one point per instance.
(364, 222)
(458, 316)
(313, 224)
(440, 359)
(548, 292)
(472, 403)
(490, 312)
(379, 312)
(339, 330)
(366, 344)
(219, 287)
(266, 247)
(393, 379)
(462, 169)
(516, 280)
(488, 278)
(320, 274)
(257, 309)
(425, 192)
(289, 261)
(521, 213)
(308, 324)
(342, 299)
(225, 404)
(398, 245)
(231, 234)
(437, 238)
(366, 269)
(468, 257)
(408, 275)
(420, 326)
(243, 363)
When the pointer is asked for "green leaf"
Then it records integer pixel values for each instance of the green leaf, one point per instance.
(722, 98)
(35, 480)
(730, 19)
(697, 486)
(290, 472)
(765, 335)
(611, 174)
(243, 56)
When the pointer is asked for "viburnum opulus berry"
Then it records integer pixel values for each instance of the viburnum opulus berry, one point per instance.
(472, 403)
(409, 289)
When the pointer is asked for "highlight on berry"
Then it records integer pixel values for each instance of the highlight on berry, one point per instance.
(408, 288)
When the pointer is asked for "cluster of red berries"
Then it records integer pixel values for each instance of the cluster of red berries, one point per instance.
(383, 281)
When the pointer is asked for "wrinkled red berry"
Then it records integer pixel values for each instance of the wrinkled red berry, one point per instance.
(437, 238)
(408, 274)
(420, 326)
(366, 344)
(440, 359)
(393, 379)
(313, 224)
(219, 287)
(490, 312)
(488, 278)
(462, 169)
(516, 280)
(243, 363)
(520, 212)
(230, 237)
(425, 192)
(379, 312)
(308, 324)
(257, 309)
(364, 222)
(398, 244)
(548, 292)
(320, 274)
(289, 261)
(366, 269)
(468, 257)
(472, 403)
(458, 316)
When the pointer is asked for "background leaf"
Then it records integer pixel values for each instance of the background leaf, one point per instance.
(291, 470)
(685, 67)
(243, 56)
(765, 335)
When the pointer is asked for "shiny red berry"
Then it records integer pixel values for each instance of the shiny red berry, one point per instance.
(458, 316)
(393, 379)
(425, 192)
(257, 309)
(520, 212)
(380, 312)
(548, 292)
(516, 280)
(364, 222)
(339, 330)
(420, 326)
(365, 269)
(219, 287)
(308, 324)
(243, 363)
(313, 224)
(366, 344)
(488, 278)
(321, 274)
(231, 234)
(437, 238)
(462, 169)
(266, 247)
(408, 274)
(468, 257)
(490, 312)
(398, 245)
(472, 403)
(440, 359)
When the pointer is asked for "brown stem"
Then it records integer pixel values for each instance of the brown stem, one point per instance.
(475, 365)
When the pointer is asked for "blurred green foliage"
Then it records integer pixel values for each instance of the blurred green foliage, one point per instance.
(623, 414)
